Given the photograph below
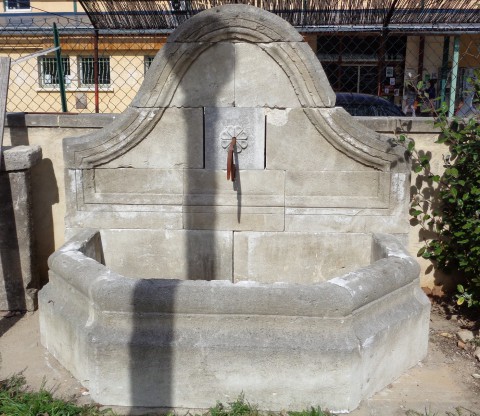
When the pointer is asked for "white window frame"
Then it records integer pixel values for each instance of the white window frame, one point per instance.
(48, 62)
(104, 85)
(23, 10)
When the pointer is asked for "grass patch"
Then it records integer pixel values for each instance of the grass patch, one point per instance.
(241, 407)
(17, 400)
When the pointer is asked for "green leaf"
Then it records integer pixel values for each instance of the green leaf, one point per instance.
(452, 172)
(418, 168)
(411, 145)
(421, 251)
(460, 300)
(415, 212)
(454, 192)
(460, 288)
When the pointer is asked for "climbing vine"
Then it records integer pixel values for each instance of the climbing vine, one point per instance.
(451, 221)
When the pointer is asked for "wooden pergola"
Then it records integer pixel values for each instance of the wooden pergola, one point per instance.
(307, 15)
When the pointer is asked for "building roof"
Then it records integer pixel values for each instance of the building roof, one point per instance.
(37, 23)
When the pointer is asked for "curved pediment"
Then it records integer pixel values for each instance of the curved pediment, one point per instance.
(236, 72)
(231, 56)
(235, 23)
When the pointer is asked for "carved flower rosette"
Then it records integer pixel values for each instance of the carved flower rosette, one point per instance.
(239, 133)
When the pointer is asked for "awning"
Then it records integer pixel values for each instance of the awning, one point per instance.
(307, 15)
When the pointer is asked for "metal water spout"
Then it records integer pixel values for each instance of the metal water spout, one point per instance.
(230, 160)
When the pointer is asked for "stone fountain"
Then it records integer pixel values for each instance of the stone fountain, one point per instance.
(287, 281)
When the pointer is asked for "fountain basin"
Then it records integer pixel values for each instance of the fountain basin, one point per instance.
(185, 343)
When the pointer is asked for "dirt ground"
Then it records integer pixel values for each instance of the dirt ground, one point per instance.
(443, 382)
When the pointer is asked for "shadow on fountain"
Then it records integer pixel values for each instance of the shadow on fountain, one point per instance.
(157, 345)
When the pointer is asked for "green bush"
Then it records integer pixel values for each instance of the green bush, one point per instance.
(455, 245)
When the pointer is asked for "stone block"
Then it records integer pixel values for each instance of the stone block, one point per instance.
(304, 258)
(209, 80)
(105, 216)
(175, 142)
(20, 157)
(258, 77)
(255, 201)
(259, 188)
(247, 125)
(234, 218)
(169, 254)
(18, 276)
(86, 120)
(310, 151)
(133, 186)
(344, 223)
(304, 189)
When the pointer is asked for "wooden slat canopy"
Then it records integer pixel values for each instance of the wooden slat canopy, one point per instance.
(168, 14)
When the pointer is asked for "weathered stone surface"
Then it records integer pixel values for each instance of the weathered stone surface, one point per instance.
(169, 254)
(229, 329)
(235, 23)
(289, 150)
(157, 337)
(298, 257)
(137, 187)
(18, 278)
(304, 189)
(465, 335)
(246, 125)
(209, 81)
(175, 142)
(20, 157)
(253, 188)
(257, 78)
(361, 223)
(254, 202)
(234, 218)
(164, 219)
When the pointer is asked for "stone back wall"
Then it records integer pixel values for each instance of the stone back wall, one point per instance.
(48, 177)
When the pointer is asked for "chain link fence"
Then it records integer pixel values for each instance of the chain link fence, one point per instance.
(34, 82)
(382, 62)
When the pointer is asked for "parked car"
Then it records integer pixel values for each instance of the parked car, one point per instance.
(367, 105)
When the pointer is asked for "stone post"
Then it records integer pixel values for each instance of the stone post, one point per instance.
(18, 278)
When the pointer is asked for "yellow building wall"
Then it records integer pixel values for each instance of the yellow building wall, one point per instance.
(127, 57)
(55, 6)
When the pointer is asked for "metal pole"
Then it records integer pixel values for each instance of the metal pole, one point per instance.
(4, 77)
(95, 72)
(453, 81)
(61, 79)
(421, 58)
(444, 73)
